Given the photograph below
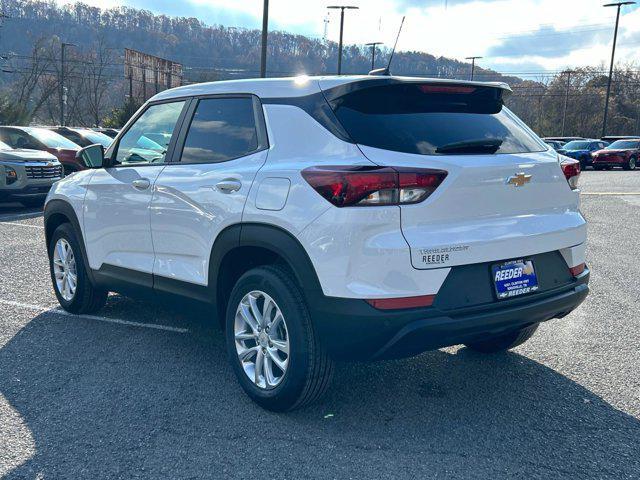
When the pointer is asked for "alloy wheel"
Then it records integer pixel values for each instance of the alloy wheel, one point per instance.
(262, 339)
(64, 269)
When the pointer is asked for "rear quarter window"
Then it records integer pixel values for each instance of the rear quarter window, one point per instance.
(430, 119)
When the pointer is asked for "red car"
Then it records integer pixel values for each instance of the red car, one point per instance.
(42, 139)
(621, 153)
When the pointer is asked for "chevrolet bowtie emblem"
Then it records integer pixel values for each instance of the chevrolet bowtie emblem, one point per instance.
(519, 179)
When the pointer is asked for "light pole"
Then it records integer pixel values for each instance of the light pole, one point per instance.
(373, 52)
(613, 54)
(265, 26)
(63, 45)
(473, 64)
(566, 101)
(342, 9)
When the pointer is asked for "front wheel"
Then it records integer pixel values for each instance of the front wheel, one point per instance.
(504, 342)
(74, 290)
(272, 346)
(631, 164)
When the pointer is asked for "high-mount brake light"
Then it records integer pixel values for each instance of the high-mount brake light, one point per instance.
(362, 186)
(446, 89)
(571, 170)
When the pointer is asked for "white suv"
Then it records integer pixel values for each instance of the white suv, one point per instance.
(327, 218)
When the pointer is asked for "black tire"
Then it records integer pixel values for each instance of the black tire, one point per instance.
(33, 202)
(309, 370)
(87, 298)
(631, 164)
(504, 342)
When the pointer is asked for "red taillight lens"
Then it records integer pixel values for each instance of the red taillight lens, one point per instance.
(577, 270)
(373, 186)
(571, 170)
(399, 303)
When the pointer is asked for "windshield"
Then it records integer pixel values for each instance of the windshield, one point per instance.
(51, 139)
(4, 146)
(624, 145)
(431, 119)
(96, 137)
(577, 145)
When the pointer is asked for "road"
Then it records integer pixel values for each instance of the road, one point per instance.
(97, 397)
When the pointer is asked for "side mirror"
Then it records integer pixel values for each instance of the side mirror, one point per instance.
(91, 156)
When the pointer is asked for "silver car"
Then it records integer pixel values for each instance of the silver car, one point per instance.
(27, 175)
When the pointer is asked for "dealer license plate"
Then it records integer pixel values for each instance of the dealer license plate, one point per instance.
(514, 278)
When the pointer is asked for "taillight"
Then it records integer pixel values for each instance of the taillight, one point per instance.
(362, 186)
(571, 170)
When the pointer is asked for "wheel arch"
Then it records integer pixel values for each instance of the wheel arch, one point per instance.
(58, 212)
(244, 246)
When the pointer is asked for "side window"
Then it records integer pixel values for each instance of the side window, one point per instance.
(221, 129)
(147, 140)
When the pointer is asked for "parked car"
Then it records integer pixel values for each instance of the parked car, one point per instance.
(622, 153)
(83, 136)
(109, 132)
(36, 138)
(614, 138)
(27, 175)
(581, 150)
(555, 144)
(328, 218)
(563, 139)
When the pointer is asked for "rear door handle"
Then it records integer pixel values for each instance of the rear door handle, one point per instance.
(141, 184)
(229, 185)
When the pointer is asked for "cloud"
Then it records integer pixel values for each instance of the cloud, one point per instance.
(548, 42)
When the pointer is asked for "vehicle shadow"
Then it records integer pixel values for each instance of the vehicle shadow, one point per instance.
(101, 400)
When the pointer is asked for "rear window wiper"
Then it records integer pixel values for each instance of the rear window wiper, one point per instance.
(481, 145)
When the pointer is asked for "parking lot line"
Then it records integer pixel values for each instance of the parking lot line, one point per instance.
(117, 321)
(22, 225)
(610, 193)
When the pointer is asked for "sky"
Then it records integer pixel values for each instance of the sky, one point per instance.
(523, 37)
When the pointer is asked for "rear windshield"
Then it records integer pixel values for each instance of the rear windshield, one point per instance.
(433, 119)
(624, 144)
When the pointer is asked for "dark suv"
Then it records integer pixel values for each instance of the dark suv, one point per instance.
(34, 138)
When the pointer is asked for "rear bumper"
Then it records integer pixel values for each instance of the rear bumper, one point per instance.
(353, 330)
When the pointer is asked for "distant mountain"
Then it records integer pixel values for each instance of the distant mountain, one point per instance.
(207, 52)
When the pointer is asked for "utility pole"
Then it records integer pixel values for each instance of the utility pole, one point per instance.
(473, 65)
(342, 9)
(63, 94)
(566, 101)
(618, 5)
(373, 52)
(265, 26)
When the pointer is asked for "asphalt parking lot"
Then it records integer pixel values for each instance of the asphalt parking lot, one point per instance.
(144, 391)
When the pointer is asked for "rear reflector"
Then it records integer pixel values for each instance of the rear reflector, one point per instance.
(577, 270)
(362, 186)
(400, 303)
(571, 170)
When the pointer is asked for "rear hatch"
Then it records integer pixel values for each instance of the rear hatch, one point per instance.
(504, 196)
